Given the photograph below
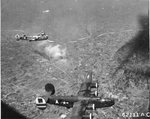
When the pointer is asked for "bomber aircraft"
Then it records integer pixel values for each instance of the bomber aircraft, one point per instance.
(41, 36)
(83, 105)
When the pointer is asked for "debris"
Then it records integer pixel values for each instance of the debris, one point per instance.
(46, 11)
(63, 116)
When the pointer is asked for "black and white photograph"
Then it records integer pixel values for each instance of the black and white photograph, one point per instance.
(75, 59)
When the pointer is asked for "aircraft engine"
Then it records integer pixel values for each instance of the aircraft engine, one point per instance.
(50, 89)
(91, 107)
(94, 85)
(87, 116)
(94, 93)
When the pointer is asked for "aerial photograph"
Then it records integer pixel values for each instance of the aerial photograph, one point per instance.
(75, 59)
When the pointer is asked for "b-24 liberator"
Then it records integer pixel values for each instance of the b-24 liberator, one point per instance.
(83, 104)
(39, 37)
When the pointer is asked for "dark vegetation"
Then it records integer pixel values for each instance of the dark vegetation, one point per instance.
(8, 112)
(137, 47)
(133, 64)
(134, 55)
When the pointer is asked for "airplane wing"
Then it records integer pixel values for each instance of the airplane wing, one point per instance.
(79, 108)
(79, 111)
(86, 87)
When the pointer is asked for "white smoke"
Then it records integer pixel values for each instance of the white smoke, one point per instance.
(55, 51)
(50, 50)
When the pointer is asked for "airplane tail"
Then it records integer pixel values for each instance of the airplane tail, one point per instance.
(50, 89)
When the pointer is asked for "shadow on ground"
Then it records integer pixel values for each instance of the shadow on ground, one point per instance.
(133, 60)
(137, 47)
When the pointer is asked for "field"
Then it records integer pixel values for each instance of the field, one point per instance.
(107, 36)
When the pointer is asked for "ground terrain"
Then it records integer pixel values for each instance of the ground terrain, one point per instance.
(93, 32)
